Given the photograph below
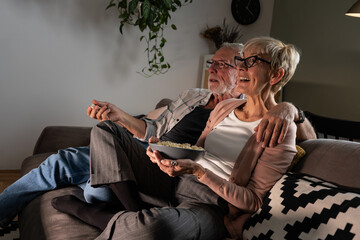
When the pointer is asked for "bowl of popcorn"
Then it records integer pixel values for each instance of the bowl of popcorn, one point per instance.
(175, 151)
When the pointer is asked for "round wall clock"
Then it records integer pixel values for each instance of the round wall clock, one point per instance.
(245, 11)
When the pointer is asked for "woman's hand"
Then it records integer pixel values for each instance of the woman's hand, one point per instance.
(149, 151)
(102, 111)
(177, 167)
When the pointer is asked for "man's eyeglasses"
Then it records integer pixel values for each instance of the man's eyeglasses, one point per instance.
(218, 64)
(249, 61)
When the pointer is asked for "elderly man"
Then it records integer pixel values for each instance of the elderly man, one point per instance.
(182, 121)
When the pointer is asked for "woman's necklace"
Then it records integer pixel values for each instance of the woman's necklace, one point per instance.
(243, 115)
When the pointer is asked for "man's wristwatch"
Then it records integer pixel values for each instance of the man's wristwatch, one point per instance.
(301, 116)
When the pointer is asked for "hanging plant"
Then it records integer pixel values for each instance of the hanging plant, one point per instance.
(220, 35)
(152, 15)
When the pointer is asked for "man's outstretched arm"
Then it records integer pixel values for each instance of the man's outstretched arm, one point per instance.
(107, 111)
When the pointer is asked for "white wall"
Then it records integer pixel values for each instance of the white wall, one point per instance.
(56, 56)
(327, 81)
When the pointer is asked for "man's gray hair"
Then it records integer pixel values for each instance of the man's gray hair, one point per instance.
(236, 46)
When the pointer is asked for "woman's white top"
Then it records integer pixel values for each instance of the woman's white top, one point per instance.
(224, 144)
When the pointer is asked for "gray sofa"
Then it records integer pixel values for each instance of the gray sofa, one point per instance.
(335, 161)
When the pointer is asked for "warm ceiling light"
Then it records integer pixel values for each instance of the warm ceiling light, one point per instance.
(354, 11)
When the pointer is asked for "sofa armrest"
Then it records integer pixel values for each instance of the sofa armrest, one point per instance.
(53, 138)
(336, 161)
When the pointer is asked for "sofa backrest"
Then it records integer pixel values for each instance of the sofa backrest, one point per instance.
(53, 138)
(336, 161)
(326, 127)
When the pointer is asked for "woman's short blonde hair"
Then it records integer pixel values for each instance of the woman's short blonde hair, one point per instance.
(282, 55)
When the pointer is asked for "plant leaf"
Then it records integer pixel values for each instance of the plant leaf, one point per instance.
(145, 9)
(150, 20)
(111, 4)
(122, 4)
(142, 24)
(132, 5)
(173, 26)
(167, 3)
(123, 15)
(137, 22)
(177, 2)
(121, 27)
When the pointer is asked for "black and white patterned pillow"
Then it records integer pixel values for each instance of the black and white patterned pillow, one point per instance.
(304, 207)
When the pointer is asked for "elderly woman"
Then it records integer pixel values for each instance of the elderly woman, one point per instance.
(215, 195)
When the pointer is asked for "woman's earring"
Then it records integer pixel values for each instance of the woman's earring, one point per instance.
(270, 82)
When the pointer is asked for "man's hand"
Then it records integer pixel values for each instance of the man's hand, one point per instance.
(107, 111)
(273, 127)
(104, 111)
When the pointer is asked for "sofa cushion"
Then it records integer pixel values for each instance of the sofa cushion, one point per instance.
(305, 207)
(300, 153)
(40, 221)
